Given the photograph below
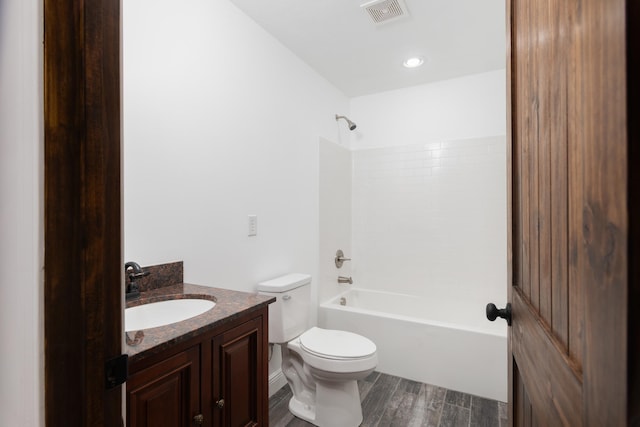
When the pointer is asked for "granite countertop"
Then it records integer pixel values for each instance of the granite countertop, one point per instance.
(229, 305)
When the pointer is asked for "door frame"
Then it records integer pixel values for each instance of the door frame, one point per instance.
(83, 275)
(633, 167)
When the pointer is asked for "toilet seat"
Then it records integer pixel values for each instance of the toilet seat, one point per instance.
(336, 345)
(360, 353)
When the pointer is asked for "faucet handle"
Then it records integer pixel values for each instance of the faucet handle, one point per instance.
(138, 275)
(340, 258)
(134, 271)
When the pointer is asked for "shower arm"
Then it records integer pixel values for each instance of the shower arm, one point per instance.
(351, 124)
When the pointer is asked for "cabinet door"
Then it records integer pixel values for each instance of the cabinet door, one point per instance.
(166, 394)
(238, 371)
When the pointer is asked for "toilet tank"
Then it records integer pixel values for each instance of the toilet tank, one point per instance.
(289, 314)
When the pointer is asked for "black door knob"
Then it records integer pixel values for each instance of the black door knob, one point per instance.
(493, 312)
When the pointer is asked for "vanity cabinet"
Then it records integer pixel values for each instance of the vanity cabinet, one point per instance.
(166, 393)
(217, 378)
(236, 376)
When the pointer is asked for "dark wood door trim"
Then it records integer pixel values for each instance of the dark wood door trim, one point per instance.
(633, 167)
(83, 260)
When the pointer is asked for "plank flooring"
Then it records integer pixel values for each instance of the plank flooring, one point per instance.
(394, 401)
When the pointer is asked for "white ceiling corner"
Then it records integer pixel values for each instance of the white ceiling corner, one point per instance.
(340, 41)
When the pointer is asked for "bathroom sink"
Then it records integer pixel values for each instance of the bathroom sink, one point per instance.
(164, 313)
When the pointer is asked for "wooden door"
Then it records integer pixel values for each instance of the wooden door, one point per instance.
(167, 393)
(239, 395)
(83, 271)
(569, 190)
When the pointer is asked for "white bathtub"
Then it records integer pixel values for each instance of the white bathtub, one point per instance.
(446, 343)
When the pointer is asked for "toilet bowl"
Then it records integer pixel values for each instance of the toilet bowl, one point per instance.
(321, 366)
(335, 368)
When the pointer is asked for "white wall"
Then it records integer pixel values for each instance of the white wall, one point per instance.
(21, 214)
(467, 107)
(429, 189)
(221, 121)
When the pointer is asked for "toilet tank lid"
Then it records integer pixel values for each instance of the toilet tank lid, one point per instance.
(284, 283)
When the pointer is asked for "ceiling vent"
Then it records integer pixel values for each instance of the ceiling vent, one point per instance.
(383, 11)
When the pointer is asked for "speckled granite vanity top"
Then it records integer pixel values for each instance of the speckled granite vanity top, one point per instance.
(229, 305)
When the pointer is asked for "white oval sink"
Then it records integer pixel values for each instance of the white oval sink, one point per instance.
(164, 313)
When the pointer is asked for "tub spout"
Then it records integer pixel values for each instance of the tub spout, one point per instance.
(343, 279)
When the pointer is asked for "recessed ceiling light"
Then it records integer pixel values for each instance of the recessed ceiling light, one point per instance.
(413, 62)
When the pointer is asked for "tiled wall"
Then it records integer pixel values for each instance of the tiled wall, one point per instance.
(430, 219)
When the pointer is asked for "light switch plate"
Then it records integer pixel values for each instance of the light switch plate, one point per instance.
(253, 225)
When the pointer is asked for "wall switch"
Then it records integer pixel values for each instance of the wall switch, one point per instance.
(253, 225)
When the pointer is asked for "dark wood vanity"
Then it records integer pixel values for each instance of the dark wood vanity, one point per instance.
(210, 370)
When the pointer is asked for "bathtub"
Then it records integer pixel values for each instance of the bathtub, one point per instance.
(445, 343)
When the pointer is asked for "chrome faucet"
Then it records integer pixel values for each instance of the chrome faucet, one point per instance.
(343, 279)
(134, 272)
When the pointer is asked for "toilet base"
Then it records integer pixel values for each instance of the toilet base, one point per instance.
(325, 398)
(302, 410)
(337, 405)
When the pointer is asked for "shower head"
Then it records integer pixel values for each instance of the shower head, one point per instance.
(352, 125)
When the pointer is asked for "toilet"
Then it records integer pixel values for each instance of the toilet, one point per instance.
(322, 366)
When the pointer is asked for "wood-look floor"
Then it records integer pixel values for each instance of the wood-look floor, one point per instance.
(394, 401)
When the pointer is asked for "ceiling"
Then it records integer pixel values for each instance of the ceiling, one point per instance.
(340, 41)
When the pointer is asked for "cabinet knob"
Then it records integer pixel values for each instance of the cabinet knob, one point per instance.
(220, 403)
(198, 419)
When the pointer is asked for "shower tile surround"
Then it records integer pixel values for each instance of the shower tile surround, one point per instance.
(427, 219)
(431, 218)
